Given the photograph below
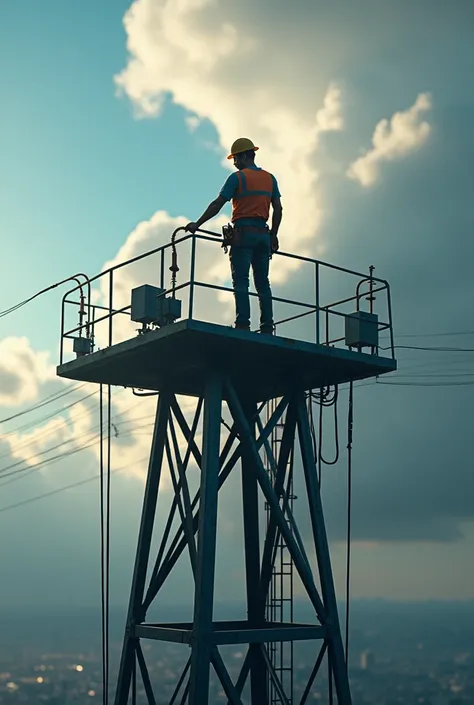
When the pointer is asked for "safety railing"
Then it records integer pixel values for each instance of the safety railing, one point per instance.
(327, 295)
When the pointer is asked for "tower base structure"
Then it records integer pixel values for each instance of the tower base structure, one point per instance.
(232, 373)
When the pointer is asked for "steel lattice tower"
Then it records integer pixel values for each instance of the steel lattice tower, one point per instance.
(260, 383)
(257, 369)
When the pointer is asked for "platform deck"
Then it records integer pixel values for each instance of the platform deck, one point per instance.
(181, 354)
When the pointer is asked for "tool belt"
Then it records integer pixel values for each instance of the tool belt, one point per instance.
(232, 235)
(228, 235)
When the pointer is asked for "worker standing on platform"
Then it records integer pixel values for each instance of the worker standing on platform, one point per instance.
(251, 191)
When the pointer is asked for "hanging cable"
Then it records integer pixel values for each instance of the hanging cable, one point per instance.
(102, 576)
(19, 305)
(174, 269)
(59, 490)
(313, 436)
(333, 403)
(107, 539)
(325, 398)
(429, 349)
(350, 418)
(47, 400)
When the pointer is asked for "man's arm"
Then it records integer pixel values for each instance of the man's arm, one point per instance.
(211, 211)
(276, 221)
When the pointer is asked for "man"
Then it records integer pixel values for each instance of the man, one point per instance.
(251, 190)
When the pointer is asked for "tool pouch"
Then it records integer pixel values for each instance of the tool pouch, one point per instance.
(228, 236)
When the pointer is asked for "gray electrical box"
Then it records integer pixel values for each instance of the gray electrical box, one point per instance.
(168, 310)
(361, 330)
(144, 307)
(82, 346)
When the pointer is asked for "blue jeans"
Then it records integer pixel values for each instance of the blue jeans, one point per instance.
(252, 248)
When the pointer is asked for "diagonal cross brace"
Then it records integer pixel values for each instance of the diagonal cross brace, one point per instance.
(279, 486)
(178, 547)
(184, 503)
(229, 688)
(335, 647)
(272, 529)
(274, 677)
(269, 493)
(169, 523)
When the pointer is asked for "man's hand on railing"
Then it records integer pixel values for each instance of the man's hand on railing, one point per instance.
(191, 228)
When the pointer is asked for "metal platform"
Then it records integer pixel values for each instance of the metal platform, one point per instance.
(183, 353)
(233, 632)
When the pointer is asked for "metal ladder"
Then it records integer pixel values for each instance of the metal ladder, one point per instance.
(279, 606)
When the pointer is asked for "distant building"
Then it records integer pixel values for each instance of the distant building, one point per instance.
(367, 660)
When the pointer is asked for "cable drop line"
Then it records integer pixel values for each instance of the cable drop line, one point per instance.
(350, 420)
(107, 538)
(102, 576)
(320, 437)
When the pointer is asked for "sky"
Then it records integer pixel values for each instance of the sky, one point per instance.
(115, 122)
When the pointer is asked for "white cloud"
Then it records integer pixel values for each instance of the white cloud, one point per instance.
(405, 132)
(22, 371)
(329, 118)
(211, 266)
(216, 66)
(193, 122)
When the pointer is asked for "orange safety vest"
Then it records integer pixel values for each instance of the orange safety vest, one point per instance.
(254, 194)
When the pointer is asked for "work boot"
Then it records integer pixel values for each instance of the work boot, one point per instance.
(242, 326)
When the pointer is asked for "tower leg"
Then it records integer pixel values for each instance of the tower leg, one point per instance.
(134, 615)
(335, 647)
(204, 590)
(255, 615)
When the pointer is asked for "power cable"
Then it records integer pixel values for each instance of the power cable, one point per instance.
(435, 335)
(39, 453)
(47, 400)
(15, 448)
(466, 383)
(105, 538)
(42, 419)
(53, 459)
(102, 533)
(21, 473)
(437, 375)
(26, 427)
(332, 403)
(65, 442)
(25, 471)
(427, 348)
(350, 422)
(19, 305)
(62, 489)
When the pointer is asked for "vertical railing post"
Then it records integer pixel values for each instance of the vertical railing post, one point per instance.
(162, 269)
(191, 276)
(111, 298)
(206, 553)
(92, 332)
(316, 277)
(389, 308)
(61, 345)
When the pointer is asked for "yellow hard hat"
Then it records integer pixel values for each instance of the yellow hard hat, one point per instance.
(243, 144)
